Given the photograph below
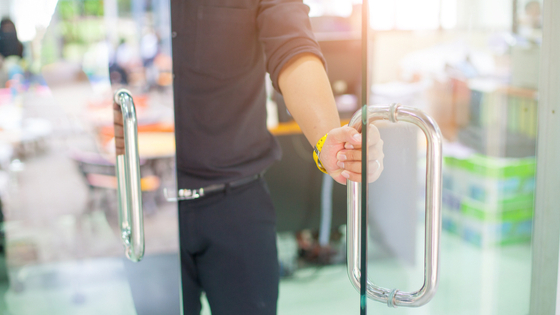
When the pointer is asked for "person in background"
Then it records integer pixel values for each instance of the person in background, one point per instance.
(533, 15)
(119, 61)
(11, 54)
(9, 42)
(149, 49)
(530, 22)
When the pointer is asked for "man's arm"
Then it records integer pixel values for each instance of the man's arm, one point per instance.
(308, 96)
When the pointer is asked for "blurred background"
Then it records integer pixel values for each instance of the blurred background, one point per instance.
(472, 65)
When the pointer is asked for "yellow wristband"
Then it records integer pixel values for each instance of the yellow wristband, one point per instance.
(316, 150)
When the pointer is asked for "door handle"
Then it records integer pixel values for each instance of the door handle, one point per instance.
(129, 191)
(394, 297)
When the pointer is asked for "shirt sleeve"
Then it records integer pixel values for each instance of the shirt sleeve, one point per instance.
(285, 31)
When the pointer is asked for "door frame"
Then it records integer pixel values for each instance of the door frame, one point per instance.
(545, 290)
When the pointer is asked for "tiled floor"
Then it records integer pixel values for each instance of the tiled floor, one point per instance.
(66, 260)
(472, 282)
(78, 287)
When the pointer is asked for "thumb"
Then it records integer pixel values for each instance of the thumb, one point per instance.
(346, 134)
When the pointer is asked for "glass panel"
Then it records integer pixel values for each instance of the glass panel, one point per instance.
(477, 77)
(311, 209)
(471, 65)
(58, 176)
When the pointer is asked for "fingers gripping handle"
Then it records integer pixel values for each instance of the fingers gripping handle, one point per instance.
(394, 297)
(128, 177)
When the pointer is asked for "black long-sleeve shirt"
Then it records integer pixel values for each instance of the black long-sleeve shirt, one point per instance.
(222, 50)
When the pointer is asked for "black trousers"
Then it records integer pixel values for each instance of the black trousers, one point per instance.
(228, 250)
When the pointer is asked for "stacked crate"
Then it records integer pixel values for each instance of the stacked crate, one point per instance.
(488, 201)
(502, 120)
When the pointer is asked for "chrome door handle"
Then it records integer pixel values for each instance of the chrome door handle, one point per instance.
(394, 297)
(128, 181)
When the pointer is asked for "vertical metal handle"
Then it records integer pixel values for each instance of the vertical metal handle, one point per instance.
(129, 190)
(394, 297)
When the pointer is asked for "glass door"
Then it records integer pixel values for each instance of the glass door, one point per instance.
(62, 243)
(478, 80)
(472, 67)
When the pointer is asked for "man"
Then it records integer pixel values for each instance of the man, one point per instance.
(227, 237)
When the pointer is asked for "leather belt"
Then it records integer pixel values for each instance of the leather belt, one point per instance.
(190, 194)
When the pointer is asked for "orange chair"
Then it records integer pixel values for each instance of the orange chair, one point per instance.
(99, 176)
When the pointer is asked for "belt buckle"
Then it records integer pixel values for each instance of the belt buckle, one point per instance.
(190, 194)
(184, 194)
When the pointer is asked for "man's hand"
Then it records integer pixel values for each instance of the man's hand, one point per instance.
(119, 130)
(309, 98)
(341, 155)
